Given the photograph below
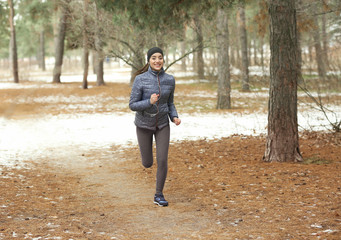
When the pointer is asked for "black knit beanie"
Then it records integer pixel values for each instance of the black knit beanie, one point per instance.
(152, 51)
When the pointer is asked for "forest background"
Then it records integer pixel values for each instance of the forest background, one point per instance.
(213, 39)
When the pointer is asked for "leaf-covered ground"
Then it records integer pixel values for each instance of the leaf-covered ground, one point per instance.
(217, 189)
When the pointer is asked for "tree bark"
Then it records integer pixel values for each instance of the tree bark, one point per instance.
(318, 50)
(237, 45)
(99, 68)
(224, 86)
(325, 41)
(99, 56)
(194, 59)
(59, 44)
(249, 52)
(299, 5)
(13, 43)
(255, 52)
(310, 50)
(282, 140)
(261, 48)
(232, 57)
(183, 51)
(85, 46)
(93, 59)
(42, 50)
(200, 52)
(243, 41)
(166, 54)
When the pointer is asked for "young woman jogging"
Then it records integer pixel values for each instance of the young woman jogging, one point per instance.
(152, 97)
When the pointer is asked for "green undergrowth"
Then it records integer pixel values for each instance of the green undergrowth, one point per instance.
(316, 160)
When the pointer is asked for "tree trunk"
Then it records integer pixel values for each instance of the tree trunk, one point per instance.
(243, 41)
(42, 50)
(138, 60)
(183, 51)
(249, 52)
(325, 41)
(200, 52)
(13, 43)
(299, 5)
(194, 60)
(224, 87)
(300, 80)
(262, 53)
(85, 46)
(59, 44)
(232, 57)
(93, 58)
(99, 68)
(255, 61)
(318, 50)
(39, 55)
(166, 54)
(310, 55)
(99, 56)
(310, 50)
(282, 140)
(237, 44)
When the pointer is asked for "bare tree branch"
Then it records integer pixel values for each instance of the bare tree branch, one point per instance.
(335, 125)
(326, 12)
(196, 49)
(124, 43)
(120, 56)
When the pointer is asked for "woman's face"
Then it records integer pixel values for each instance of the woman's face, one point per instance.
(156, 61)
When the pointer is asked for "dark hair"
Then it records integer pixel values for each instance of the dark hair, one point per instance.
(141, 70)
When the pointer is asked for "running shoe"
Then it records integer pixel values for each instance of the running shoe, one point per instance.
(160, 200)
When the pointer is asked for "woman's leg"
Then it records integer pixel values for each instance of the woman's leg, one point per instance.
(145, 141)
(162, 146)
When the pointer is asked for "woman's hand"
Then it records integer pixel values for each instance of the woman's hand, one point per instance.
(177, 121)
(153, 98)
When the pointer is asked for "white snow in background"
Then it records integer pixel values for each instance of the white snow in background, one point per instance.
(34, 138)
(66, 135)
(121, 75)
(71, 135)
(116, 75)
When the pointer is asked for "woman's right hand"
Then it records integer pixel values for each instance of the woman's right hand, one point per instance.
(153, 98)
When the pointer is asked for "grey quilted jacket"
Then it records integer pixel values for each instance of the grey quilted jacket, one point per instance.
(151, 116)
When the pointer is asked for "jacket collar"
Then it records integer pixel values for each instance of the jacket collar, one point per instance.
(155, 72)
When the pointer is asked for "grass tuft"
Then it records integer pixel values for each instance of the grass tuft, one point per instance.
(315, 160)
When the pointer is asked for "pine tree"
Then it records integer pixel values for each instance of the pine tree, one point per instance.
(282, 140)
(14, 56)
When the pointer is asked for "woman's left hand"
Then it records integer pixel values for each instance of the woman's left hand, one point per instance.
(177, 121)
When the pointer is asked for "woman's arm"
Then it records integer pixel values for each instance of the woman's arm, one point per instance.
(171, 107)
(136, 103)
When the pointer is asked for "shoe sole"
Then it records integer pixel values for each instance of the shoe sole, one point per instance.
(160, 204)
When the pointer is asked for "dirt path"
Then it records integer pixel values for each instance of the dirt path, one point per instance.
(135, 214)
(116, 204)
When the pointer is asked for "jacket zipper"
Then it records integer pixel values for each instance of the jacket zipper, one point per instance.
(158, 81)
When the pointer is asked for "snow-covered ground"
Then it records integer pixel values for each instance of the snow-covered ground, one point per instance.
(70, 136)
(66, 135)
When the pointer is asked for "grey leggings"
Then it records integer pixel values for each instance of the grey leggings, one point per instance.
(145, 140)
